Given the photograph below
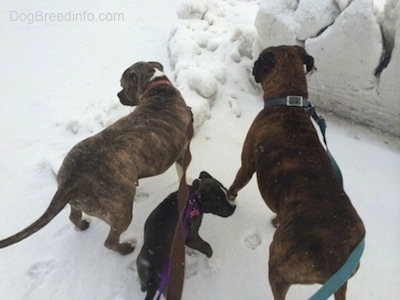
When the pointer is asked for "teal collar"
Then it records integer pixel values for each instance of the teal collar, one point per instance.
(297, 101)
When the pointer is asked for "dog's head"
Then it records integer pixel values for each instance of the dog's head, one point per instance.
(281, 57)
(135, 79)
(212, 196)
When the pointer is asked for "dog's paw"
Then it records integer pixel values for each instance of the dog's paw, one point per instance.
(252, 240)
(127, 247)
(84, 224)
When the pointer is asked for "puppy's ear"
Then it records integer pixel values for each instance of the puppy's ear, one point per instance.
(265, 62)
(204, 175)
(156, 65)
(307, 59)
(195, 184)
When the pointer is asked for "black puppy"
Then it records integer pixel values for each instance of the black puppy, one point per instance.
(207, 195)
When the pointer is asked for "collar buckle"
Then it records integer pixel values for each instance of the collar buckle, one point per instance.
(295, 101)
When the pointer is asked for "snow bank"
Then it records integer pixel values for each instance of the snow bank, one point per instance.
(350, 51)
(207, 54)
(389, 87)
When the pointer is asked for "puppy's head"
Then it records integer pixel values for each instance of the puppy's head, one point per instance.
(281, 57)
(135, 79)
(212, 196)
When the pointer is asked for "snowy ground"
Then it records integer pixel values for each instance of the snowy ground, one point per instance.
(59, 84)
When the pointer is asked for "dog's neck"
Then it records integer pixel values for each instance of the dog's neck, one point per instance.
(284, 83)
(156, 82)
(269, 93)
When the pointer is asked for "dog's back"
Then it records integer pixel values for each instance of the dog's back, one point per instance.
(134, 142)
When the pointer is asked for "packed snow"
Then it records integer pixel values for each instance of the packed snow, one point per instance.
(356, 48)
(59, 84)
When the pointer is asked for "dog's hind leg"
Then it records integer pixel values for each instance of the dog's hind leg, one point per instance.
(76, 218)
(112, 242)
(340, 294)
(119, 220)
(279, 286)
(279, 290)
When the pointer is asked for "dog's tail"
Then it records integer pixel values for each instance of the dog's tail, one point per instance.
(58, 202)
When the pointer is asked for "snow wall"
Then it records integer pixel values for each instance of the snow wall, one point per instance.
(356, 47)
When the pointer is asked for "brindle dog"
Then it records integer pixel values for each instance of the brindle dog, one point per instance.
(100, 174)
(317, 226)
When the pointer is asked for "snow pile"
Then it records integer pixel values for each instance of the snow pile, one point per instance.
(350, 52)
(207, 54)
(290, 22)
(389, 87)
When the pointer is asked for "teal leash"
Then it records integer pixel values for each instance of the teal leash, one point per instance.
(342, 275)
(298, 101)
(322, 126)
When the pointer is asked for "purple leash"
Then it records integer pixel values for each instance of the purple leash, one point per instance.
(192, 210)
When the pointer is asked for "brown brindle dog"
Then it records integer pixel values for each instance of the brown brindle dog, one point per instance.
(317, 226)
(100, 174)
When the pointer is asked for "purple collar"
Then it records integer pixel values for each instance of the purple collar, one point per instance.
(192, 208)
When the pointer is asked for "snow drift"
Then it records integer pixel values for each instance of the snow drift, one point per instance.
(356, 50)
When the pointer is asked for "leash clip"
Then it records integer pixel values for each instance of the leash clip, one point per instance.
(294, 101)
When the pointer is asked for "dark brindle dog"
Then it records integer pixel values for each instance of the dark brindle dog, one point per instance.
(100, 174)
(317, 226)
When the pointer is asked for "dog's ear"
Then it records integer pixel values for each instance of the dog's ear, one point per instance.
(265, 62)
(204, 175)
(133, 78)
(195, 184)
(133, 82)
(156, 65)
(307, 59)
(127, 95)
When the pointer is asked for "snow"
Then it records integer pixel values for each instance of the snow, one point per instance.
(348, 40)
(59, 84)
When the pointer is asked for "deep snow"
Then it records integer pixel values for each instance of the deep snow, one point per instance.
(59, 84)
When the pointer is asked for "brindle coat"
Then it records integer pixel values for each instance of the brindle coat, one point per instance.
(100, 174)
(317, 226)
